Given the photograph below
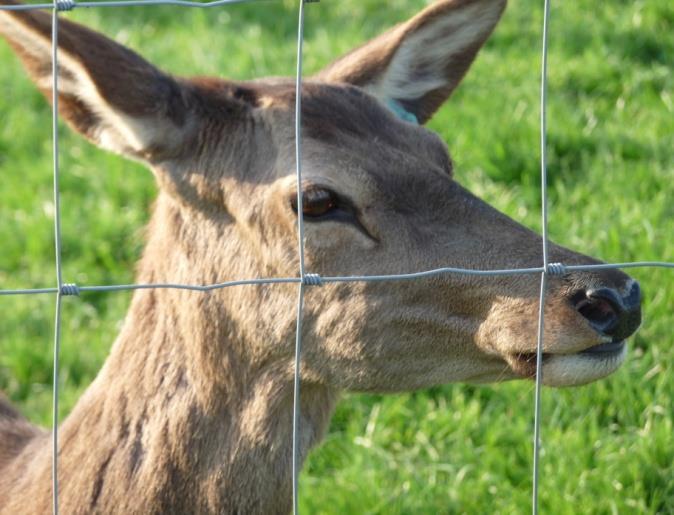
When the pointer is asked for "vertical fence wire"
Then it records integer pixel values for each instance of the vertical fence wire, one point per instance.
(296, 465)
(298, 135)
(57, 247)
(544, 274)
(300, 236)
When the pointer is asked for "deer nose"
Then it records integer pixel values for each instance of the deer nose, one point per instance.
(610, 313)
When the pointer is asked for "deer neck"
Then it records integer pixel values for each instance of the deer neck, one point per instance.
(182, 419)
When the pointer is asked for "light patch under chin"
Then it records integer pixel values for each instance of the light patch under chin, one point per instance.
(579, 369)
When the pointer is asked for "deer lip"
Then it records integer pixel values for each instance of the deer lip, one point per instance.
(603, 355)
(605, 348)
(600, 350)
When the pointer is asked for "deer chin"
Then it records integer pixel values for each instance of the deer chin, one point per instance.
(591, 364)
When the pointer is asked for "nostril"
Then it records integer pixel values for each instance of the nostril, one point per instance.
(601, 307)
(607, 295)
(608, 312)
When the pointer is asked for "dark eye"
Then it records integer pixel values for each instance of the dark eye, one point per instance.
(320, 204)
(316, 202)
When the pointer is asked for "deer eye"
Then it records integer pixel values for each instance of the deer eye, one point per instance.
(316, 202)
(321, 204)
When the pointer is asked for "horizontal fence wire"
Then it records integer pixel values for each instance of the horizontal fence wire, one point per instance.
(69, 289)
(350, 278)
(69, 5)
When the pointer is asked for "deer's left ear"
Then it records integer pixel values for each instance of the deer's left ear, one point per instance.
(106, 92)
(414, 67)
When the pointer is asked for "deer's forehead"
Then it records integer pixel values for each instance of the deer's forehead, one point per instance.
(329, 111)
(345, 119)
(348, 134)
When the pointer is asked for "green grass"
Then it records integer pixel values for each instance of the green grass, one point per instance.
(608, 447)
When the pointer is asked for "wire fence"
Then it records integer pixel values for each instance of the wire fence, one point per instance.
(304, 279)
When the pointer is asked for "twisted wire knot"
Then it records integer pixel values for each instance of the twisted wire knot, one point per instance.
(312, 280)
(70, 289)
(557, 269)
(64, 5)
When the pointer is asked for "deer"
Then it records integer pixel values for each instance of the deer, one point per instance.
(192, 410)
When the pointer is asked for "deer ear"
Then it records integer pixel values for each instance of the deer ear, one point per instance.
(414, 67)
(106, 92)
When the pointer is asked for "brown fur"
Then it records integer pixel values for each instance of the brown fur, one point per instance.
(192, 410)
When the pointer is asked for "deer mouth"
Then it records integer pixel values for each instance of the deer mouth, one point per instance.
(604, 349)
(572, 369)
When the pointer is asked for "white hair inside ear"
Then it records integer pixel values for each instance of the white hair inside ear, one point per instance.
(424, 60)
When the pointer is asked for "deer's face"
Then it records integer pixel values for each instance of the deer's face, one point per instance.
(386, 202)
(379, 198)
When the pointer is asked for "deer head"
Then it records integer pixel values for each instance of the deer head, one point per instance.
(380, 197)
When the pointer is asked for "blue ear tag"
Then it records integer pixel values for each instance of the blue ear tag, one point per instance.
(401, 112)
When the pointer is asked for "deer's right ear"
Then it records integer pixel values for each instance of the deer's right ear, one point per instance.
(106, 92)
(414, 67)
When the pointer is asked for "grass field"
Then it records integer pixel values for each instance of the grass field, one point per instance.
(608, 447)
